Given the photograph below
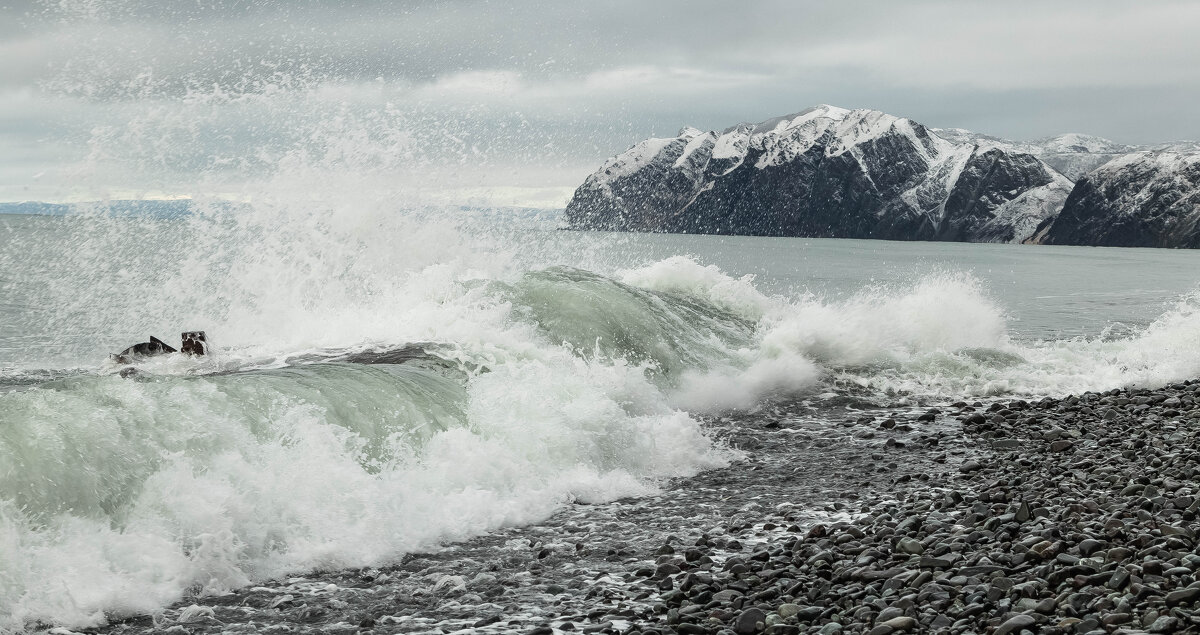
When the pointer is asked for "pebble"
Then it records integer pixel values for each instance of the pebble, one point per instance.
(1065, 532)
(1015, 624)
(749, 622)
(1183, 596)
(1165, 624)
(901, 623)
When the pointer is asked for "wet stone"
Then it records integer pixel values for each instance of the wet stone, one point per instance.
(749, 622)
(1183, 596)
(1015, 624)
(901, 623)
(1165, 624)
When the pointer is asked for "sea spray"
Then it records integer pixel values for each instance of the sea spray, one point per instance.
(121, 495)
(937, 337)
(541, 387)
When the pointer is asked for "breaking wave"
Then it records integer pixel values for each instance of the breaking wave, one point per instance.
(535, 386)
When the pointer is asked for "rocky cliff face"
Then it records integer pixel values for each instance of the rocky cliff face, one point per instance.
(1144, 199)
(823, 172)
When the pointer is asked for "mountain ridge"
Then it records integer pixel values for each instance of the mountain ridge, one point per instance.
(824, 172)
(827, 171)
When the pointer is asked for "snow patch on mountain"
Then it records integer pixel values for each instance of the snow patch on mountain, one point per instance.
(635, 158)
(1074, 142)
(697, 141)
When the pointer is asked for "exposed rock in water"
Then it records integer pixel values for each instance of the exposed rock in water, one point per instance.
(824, 172)
(1145, 199)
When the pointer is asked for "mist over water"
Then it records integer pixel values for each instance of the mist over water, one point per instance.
(559, 366)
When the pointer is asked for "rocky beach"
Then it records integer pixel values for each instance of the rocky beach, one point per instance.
(1073, 515)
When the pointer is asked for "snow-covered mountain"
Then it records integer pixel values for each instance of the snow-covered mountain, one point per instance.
(1076, 154)
(1141, 199)
(1072, 154)
(824, 172)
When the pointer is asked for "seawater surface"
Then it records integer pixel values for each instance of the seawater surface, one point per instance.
(540, 367)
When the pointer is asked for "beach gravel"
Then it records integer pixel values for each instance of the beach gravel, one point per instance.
(1071, 515)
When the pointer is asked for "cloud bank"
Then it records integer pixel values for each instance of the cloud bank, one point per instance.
(526, 98)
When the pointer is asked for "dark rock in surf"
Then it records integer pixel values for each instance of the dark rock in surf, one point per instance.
(194, 343)
(145, 349)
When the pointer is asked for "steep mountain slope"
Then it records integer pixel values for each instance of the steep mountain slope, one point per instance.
(1143, 199)
(823, 172)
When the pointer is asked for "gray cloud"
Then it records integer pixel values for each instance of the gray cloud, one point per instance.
(164, 95)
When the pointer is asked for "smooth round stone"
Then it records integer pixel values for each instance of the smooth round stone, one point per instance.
(747, 623)
(1182, 596)
(1015, 624)
(902, 623)
(1165, 624)
(726, 596)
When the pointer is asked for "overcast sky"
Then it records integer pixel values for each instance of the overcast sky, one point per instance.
(515, 102)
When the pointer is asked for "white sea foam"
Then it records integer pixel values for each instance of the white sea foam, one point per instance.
(118, 496)
(940, 337)
(681, 274)
(882, 326)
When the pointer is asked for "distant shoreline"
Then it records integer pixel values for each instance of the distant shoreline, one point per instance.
(881, 240)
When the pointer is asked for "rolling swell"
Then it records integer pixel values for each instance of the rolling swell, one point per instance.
(591, 313)
(88, 444)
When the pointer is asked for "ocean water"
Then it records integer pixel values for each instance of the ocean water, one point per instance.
(550, 367)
